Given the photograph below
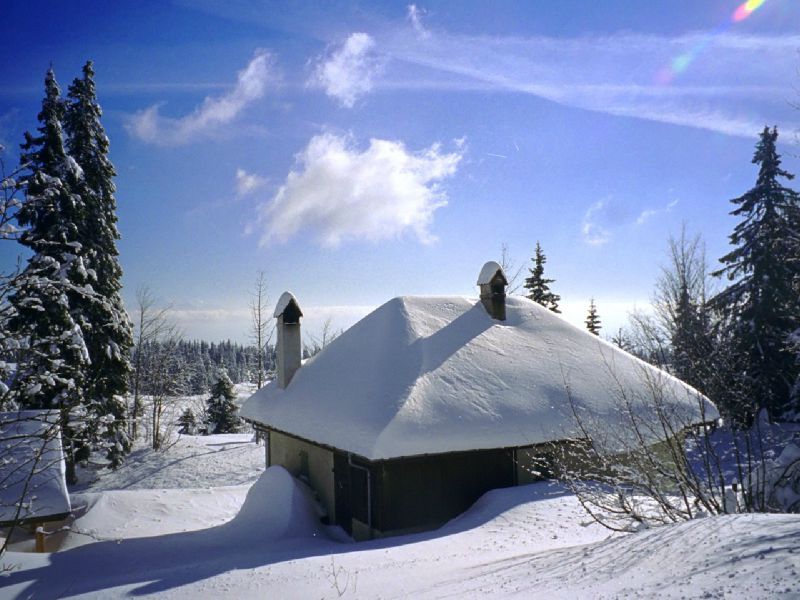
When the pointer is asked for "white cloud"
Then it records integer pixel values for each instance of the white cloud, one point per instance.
(593, 233)
(649, 213)
(247, 183)
(347, 73)
(342, 193)
(734, 85)
(152, 127)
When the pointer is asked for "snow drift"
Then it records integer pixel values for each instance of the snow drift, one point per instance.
(276, 507)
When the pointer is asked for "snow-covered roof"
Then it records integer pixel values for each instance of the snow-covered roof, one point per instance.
(31, 466)
(432, 375)
(488, 272)
(283, 302)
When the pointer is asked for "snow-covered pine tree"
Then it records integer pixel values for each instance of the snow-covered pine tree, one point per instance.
(593, 319)
(10, 198)
(538, 286)
(760, 306)
(53, 354)
(222, 411)
(107, 328)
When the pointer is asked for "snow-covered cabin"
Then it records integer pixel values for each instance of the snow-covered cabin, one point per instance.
(409, 416)
(33, 486)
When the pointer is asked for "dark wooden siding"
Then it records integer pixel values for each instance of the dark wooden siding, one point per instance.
(427, 491)
(360, 495)
(341, 487)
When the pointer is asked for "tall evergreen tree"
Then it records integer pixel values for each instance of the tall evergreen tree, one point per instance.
(53, 358)
(593, 319)
(538, 285)
(10, 194)
(760, 306)
(107, 328)
(222, 412)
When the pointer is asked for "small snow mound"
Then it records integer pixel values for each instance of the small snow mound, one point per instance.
(277, 507)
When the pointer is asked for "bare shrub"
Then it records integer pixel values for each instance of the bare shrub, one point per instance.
(665, 462)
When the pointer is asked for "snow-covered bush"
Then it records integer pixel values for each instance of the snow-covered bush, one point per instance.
(779, 479)
(661, 466)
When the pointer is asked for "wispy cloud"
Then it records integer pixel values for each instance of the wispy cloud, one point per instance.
(346, 73)
(247, 183)
(592, 231)
(725, 90)
(340, 192)
(415, 17)
(649, 213)
(165, 87)
(151, 126)
(605, 218)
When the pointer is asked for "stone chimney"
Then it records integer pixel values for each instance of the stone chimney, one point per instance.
(289, 351)
(492, 282)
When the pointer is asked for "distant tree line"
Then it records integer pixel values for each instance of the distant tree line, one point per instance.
(199, 361)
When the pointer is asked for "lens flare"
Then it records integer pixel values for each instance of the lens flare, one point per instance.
(681, 63)
(746, 9)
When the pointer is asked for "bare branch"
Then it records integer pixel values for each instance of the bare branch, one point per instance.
(262, 325)
(510, 268)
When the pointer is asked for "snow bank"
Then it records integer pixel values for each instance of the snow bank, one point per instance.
(129, 514)
(734, 556)
(430, 375)
(526, 542)
(276, 507)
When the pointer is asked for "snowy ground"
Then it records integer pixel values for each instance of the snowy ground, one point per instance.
(192, 462)
(531, 541)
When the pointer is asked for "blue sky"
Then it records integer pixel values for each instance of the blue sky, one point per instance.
(360, 151)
